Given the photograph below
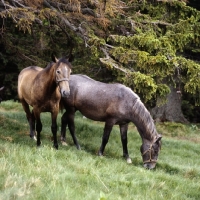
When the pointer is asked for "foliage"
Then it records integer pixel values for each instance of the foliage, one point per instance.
(30, 173)
(147, 45)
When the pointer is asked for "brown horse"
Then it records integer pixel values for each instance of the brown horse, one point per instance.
(42, 89)
(112, 104)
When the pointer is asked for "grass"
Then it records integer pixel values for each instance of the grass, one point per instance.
(31, 173)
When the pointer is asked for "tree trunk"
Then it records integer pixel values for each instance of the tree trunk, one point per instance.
(171, 111)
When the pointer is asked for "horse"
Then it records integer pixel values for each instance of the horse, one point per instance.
(42, 88)
(113, 104)
(1, 91)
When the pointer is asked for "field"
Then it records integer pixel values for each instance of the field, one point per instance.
(31, 173)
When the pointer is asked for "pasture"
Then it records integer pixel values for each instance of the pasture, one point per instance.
(30, 173)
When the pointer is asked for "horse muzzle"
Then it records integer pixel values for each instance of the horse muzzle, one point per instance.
(149, 165)
(65, 93)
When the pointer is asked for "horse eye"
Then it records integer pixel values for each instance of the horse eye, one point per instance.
(156, 151)
(58, 72)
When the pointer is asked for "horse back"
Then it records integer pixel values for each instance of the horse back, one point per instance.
(97, 100)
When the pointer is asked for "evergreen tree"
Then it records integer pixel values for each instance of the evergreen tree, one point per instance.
(151, 46)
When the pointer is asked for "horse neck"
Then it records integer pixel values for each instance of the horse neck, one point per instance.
(48, 74)
(143, 121)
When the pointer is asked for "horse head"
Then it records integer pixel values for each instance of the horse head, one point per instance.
(149, 151)
(1, 89)
(62, 74)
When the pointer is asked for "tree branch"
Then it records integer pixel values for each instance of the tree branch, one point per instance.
(110, 63)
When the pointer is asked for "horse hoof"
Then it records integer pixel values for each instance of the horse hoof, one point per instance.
(100, 154)
(64, 143)
(78, 147)
(128, 160)
(34, 138)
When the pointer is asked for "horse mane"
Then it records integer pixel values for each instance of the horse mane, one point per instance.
(144, 121)
(65, 60)
(50, 64)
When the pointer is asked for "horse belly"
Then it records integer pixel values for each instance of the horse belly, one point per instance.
(101, 109)
(93, 114)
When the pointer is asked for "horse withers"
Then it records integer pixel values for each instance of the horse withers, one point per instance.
(42, 89)
(112, 104)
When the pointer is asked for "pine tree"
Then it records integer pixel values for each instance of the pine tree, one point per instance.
(148, 45)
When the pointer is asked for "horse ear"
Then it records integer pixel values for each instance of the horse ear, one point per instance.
(53, 57)
(158, 138)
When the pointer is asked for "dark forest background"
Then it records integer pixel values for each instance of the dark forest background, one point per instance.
(151, 46)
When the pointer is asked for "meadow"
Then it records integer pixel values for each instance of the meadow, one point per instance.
(31, 173)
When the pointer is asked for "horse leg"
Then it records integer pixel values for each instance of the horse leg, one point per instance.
(33, 126)
(30, 118)
(54, 128)
(63, 128)
(72, 131)
(105, 138)
(68, 118)
(123, 132)
(38, 126)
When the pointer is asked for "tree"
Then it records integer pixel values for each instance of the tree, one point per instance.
(150, 46)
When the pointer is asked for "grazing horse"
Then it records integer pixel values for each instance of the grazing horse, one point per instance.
(1, 90)
(112, 104)
(42, 89)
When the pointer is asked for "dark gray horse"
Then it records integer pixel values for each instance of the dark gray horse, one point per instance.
(112, 104)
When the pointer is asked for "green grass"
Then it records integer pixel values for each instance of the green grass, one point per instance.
(28, 172)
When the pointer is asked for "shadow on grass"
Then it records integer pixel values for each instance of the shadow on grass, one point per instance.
(168, 168)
